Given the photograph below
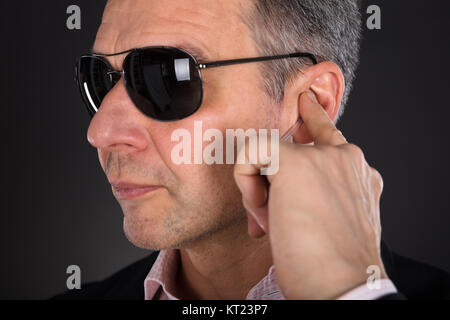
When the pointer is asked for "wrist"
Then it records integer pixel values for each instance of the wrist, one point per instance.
(331, 287)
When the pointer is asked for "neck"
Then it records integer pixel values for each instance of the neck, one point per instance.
(225, 265)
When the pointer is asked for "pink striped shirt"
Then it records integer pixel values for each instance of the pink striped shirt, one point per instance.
(161, 282)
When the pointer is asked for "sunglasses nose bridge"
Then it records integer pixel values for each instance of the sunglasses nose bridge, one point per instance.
(115, 75)
(121, 72)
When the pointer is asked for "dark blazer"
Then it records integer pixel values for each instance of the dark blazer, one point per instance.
(413, 279)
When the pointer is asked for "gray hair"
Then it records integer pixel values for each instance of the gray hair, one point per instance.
(329, 29)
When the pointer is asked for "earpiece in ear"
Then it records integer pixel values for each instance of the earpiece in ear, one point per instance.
(288, 135)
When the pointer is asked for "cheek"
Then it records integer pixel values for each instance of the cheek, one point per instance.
(233, 97)
(209, 188)
(198, 183)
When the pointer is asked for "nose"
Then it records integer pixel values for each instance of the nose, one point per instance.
(118, 125)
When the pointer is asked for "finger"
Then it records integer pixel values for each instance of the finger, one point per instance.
(254, 189)
(320, 127)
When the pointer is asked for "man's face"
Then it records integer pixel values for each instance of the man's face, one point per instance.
(196, 200)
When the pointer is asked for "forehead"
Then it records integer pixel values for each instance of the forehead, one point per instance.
(212, 29)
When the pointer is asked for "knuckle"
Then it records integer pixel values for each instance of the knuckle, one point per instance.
(330, 134)
(377, 178)
(354, 151)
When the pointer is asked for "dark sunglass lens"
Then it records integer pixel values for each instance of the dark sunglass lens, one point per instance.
(95, 81)
(163, 83)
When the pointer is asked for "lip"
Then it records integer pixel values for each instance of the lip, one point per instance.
(129, 191)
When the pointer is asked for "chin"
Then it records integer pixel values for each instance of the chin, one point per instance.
(167, 233)
(158, 225)
(150, 224)
(148, 235)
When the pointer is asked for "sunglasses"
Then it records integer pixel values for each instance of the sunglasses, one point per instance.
(164, 83)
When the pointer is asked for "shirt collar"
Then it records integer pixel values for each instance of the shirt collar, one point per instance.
(163, 275)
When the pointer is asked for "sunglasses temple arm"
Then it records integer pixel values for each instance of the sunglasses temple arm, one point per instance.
(258, 59)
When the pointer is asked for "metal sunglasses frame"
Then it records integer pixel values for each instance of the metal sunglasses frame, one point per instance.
(199, 66)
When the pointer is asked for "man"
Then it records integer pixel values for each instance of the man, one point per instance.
(223, 231)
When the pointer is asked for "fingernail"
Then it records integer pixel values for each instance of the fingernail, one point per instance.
(254, 216)
(256, 219)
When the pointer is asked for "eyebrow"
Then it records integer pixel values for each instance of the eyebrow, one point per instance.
(197, 52)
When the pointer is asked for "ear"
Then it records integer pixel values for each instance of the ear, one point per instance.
(327, 83)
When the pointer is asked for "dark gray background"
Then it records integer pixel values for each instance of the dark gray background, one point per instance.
(57, 206)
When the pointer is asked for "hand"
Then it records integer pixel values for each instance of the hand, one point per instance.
(320, 210)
